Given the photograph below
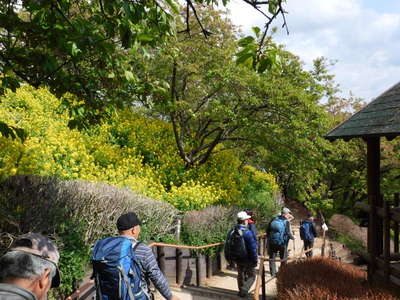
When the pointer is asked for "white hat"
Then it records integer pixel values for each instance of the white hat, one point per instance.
(243, 216)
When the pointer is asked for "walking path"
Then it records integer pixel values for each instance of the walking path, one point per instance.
(224, 285)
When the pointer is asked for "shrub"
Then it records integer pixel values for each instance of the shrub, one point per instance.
(324, 278)
(76, 213)
(208, 226)
(260, 194)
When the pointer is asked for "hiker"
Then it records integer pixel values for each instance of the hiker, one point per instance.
(241, 247)
(29, 269)
(252, 222)
(308, 233)
(123, 266)
(278, 235)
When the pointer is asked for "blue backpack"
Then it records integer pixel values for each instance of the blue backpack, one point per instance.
(278, 234)
(116, 271)
(305, 231)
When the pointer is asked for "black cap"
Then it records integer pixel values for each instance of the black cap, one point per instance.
(128, 221)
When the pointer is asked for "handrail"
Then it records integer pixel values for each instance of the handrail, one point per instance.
(194, 247)
(90, 284)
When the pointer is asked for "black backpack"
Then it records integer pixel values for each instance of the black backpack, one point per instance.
(235, 247)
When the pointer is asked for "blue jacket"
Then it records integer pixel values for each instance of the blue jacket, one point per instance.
(251, 243)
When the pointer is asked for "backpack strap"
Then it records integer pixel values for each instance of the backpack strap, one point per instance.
(127, 283)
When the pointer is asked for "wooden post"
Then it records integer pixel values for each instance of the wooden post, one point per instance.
(386, 235)
(375, 228)
(178, 269)
(199, 280)
(208, 266)
(161, 258)
(396, 225)
(219, 262)
(323, 243)
(264, 294)
(259, 245)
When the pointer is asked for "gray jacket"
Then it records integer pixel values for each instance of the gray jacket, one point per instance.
(13, 292)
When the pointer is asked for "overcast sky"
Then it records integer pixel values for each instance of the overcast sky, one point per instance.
(362, 35)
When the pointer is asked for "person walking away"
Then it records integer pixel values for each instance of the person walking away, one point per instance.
(241, 247)
(29, 268)
(252, 223)
(278, 235)
(123, 266)
(308, 233)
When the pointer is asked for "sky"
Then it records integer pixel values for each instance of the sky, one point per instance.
(361, 36)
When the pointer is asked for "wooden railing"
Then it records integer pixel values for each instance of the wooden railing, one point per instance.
(381, 259)
(87, 290)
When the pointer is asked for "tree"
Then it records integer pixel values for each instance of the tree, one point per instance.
(209, 98)
(89, 48)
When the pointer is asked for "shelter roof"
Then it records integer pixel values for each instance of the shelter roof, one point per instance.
(381, 117)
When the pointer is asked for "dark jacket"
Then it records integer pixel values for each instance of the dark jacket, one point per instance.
(251, 244)
(253, 228)
(313, 229)
(13, 292)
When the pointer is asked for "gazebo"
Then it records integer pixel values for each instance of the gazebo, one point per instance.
(380, 118)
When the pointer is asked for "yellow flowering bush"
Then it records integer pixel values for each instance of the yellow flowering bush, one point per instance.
(194, 195)
(127, 149)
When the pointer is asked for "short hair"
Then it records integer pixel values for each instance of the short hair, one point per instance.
(19, 264)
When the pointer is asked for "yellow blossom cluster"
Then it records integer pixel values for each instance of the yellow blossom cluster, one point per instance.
(127, 149)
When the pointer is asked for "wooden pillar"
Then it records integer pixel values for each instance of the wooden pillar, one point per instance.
(161, 258)
(375, 228)
(396, 225)
(178, 269)
(208, 266)
(386, 235)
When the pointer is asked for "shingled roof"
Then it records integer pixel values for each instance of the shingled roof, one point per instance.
(381, 117)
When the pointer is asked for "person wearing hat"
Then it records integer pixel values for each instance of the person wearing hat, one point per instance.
(128, 226)
(241, 247)
(29, 268)
(278, 234)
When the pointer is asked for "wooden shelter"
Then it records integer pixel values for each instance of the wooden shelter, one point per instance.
(380, 118)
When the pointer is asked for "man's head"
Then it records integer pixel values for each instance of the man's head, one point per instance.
(129, 224)
(310, 216)
(286, 213)
(243, 217)
(31, 263)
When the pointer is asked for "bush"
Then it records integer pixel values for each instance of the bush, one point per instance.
(77, 213)
(260, 194)
(208, 226)
(324, 278)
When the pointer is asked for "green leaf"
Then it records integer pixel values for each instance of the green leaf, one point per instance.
(74, 49)
(173, 5)
(144, 37)
(245, 41)
(244, 58)
(129, 76)
(256, 31)
(264, 64)
(272, 6)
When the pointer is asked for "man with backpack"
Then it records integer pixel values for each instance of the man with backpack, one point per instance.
(278, 235)
(241, 247)
(122, 266)
(308, 233)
